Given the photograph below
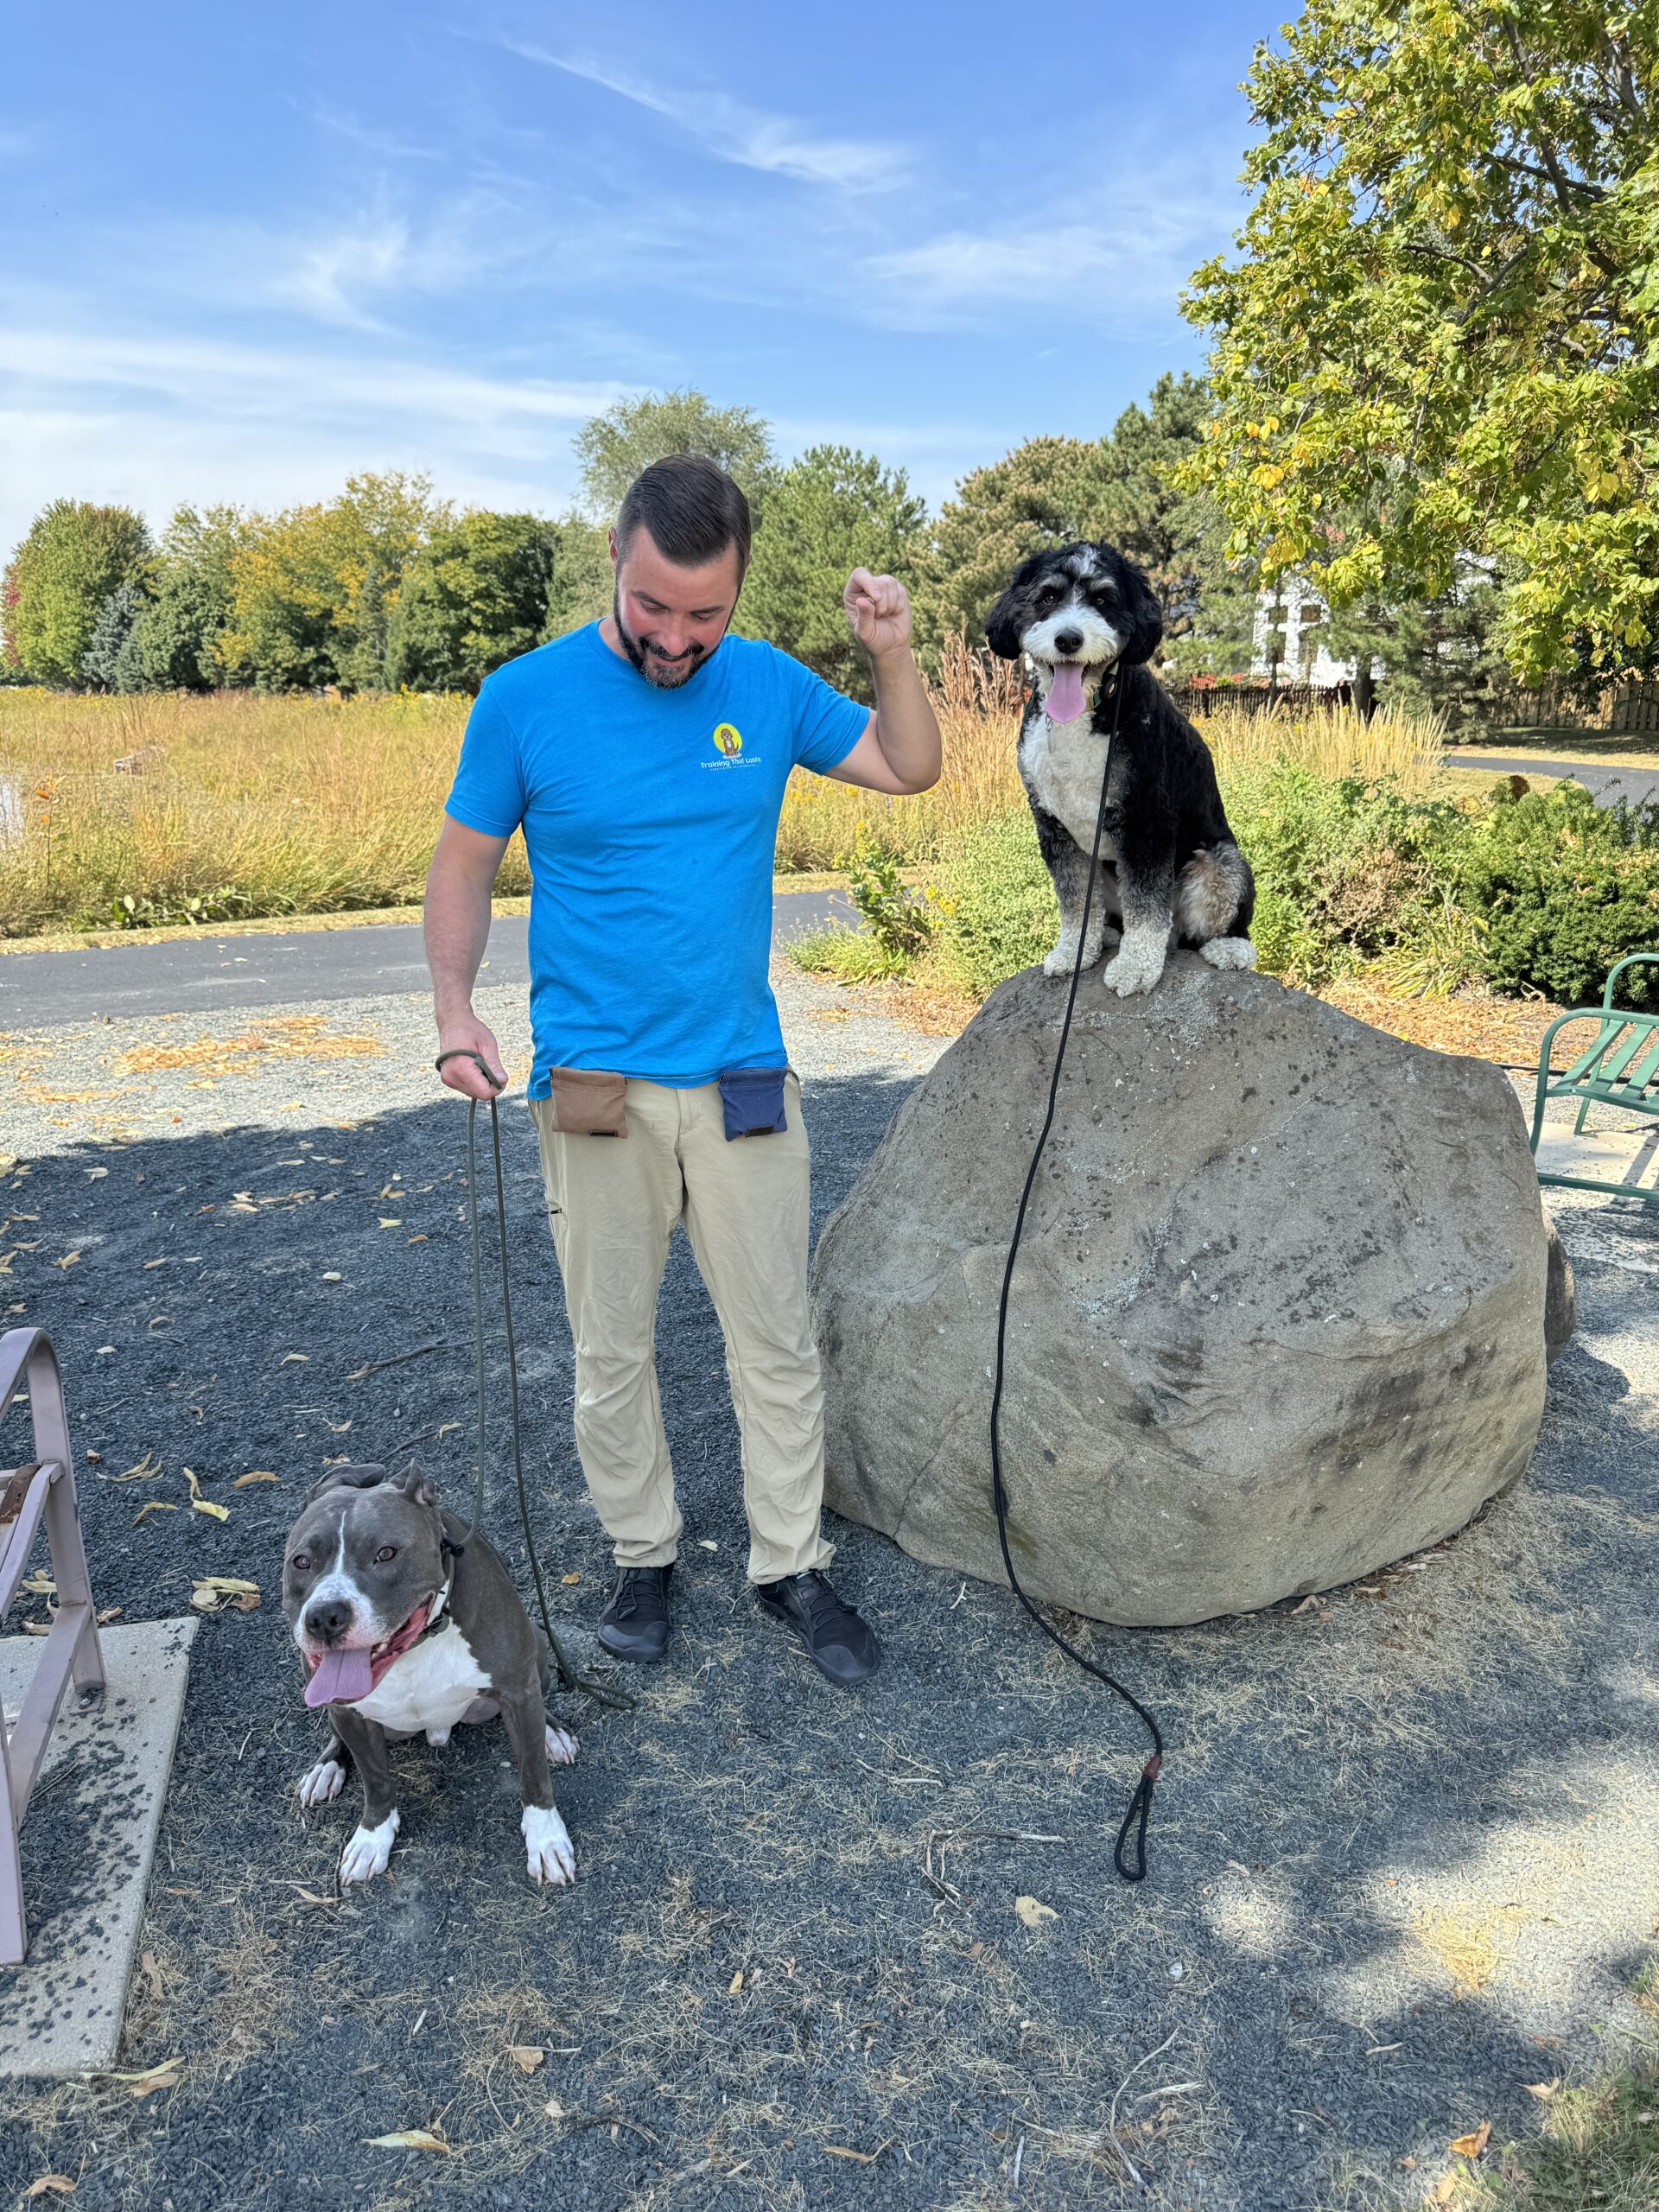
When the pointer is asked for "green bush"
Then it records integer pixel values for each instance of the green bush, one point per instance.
(1346, 868)
(996, 908)
(1566, 889)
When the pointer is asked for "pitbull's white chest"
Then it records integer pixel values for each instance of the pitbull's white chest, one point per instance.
(1061, 765)
(429, 1688)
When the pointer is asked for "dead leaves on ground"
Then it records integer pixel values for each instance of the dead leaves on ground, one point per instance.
(303, 1037)
(208, 1593)
(1471, 2145)
(1033, 1912)
(412, 2139)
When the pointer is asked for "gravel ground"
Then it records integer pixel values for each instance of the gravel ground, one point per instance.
(1403, 1863)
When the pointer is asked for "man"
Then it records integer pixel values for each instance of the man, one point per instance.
(646, 757)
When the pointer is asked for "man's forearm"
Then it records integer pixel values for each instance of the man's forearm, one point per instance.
(457, 929)
(905, 721)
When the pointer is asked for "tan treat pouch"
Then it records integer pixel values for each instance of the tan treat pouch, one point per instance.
(589, 1101)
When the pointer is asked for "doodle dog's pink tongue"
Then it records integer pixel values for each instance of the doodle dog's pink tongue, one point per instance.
(341, 1678)
(1064, 701)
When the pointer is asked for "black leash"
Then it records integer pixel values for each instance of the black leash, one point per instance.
(1140, 1803)
(601, 1693)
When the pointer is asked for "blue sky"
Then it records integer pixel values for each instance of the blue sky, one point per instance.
(250, 250)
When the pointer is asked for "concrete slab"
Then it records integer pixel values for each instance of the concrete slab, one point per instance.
(1627, 1155)
(87, 1841)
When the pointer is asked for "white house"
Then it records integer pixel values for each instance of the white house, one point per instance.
(1288, 619)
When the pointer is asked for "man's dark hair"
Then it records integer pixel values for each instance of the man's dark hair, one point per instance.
(692, 508)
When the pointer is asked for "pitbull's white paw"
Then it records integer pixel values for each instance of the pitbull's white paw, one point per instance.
(324, 1780)
(437, 1738)
(367, 1851)
(1136, 967)
(1063, 959)
(547, 1843)
(561, 1744)
(1229, 952)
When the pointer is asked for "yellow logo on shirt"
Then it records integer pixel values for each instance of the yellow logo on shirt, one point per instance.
(728, 739)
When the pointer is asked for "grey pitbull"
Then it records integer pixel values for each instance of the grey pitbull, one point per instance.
(405, 1631)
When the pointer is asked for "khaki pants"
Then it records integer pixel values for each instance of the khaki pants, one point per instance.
(613, 1203)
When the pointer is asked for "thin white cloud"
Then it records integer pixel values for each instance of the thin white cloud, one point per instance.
(732, 131)
(382, 143)
(229, 378)
(1116, 258)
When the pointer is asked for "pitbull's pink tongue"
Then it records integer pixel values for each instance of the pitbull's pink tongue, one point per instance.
(341, 1677)
(1064, 701)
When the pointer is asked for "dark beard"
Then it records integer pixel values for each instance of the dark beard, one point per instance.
(657, 669)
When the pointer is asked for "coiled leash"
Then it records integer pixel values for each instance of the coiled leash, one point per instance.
(1140, 1803)
(601, 1693)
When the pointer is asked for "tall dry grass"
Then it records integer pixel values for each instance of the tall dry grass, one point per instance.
(255, 806)
(259, 805)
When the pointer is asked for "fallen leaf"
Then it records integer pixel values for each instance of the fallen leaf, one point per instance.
(109, 1613)
(288, 1356)
(201, 1505)
(840, 2150)
(164, 2076)
(1032, 1912)
(527, 2057)
(554, 2109)
(144, 1471)
(255, 1475)
(411, 2139)
(1542, 2090)
(92, 1174)
(209, 1591)
(152, 1972)
(1470, 2146)
(68, 1261)
(390, 1221)
(57, 2184)
(706, 1544)
(148, 1264)
(155, 1505)
(417, 1240)
(1443, 2193)
(734, 1986)
(37, 1628)
(568, 1581)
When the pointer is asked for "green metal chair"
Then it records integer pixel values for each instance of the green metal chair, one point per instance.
(1620, 1068)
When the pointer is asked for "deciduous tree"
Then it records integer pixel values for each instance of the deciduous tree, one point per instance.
(476, 593)
(614, 447)
(313, 589)
(75, 555)
(1442, 336)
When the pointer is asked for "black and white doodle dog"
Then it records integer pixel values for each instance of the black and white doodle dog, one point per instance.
(1169, 861)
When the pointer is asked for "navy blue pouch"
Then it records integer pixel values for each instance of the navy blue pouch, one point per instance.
(753, 1102)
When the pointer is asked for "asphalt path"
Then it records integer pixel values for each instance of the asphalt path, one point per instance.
(1605, 785)
(40, 990)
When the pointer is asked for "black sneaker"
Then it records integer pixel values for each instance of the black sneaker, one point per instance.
(841, 1643)
(634, 1625)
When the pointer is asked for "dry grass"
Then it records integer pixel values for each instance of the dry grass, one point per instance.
(272, 806)
(257, 805)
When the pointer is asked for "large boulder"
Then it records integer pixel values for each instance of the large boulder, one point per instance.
(1278, 1316)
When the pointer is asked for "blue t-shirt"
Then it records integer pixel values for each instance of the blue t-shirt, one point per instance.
(649, 817)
